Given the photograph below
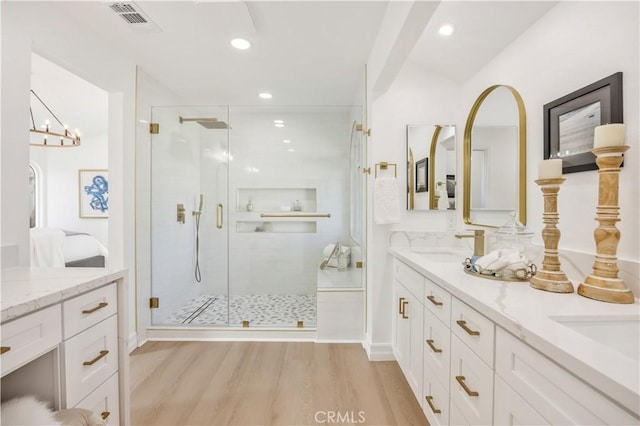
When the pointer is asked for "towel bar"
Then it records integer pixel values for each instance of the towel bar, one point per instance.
(294, 215)
(384, 166)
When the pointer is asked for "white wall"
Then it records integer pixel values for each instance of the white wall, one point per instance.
(573, 45)
(45, 28)
(415, 97)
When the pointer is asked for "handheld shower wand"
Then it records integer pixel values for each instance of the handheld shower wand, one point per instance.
(197, 215)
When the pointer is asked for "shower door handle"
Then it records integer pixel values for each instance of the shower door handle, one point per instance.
(219, 213)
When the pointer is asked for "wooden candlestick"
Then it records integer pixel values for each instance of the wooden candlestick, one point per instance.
(550, 277)
(603, 284)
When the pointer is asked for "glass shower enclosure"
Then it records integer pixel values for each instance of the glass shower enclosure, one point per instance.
(247, 203)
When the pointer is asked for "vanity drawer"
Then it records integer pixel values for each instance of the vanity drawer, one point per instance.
(26, 338)
(104, 401)
(410, 279)
(437, 347)
(88, 309)
(436, 399)
(90, 358)
(559, 396)
(438, 301)
(510, 409)
(473, 329)
(471, 384)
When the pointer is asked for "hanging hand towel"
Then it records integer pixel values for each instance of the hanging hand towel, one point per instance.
(386, 207)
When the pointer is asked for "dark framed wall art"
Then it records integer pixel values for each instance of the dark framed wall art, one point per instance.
(569, 122)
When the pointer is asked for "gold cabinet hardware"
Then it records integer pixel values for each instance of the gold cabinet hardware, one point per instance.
(154, 128)
(219, 213)
(469, 392)
(97, 308)
(96, 359)
(433, 347)
(104, 415)
(4, 349)
(245, 323)
(154, 302)
(404, 313)
(433, 300)
(429, 399)
(400, 302)
(463, 325)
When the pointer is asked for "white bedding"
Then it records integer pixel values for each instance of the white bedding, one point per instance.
(50, 247)
(81, 246)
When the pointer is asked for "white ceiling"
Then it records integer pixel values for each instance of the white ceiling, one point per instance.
(304, 52)
(482, 30)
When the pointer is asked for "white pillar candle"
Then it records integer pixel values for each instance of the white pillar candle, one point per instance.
(608, 135)
(550, 169)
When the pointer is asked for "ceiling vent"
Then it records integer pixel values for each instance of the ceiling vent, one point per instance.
(133, 15)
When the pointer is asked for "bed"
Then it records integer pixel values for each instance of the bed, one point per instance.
(51, 247)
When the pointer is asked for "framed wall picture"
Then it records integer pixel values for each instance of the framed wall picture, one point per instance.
(569, 122)
(421, 175)
(93, 189)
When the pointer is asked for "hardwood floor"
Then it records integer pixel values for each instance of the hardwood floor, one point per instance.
(265, 383)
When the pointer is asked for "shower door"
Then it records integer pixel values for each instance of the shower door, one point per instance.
(275, 189)
(189, 232)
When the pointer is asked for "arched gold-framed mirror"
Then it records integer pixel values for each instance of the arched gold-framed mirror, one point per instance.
(495, 138)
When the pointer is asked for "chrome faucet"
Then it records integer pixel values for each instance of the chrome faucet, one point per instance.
(478, 241)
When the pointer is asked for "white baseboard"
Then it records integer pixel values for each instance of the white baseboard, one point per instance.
(379, 351)
(133, 341)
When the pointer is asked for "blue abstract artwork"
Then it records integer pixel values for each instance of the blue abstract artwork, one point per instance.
(94, 197)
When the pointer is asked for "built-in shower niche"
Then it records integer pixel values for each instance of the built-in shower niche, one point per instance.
(276, 210)
(276, 200)
(276, 226)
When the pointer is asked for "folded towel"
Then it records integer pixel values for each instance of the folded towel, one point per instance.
(326, 252)
(386, 201)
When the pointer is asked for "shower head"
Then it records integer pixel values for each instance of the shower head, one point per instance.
(207, 123)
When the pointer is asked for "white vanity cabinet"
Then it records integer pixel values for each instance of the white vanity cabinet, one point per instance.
(81, 335)
(408, 324)
(549, 391)
(476, 372)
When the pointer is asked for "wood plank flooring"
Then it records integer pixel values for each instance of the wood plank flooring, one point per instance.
(266, 383)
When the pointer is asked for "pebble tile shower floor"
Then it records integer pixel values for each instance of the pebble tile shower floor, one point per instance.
(268, 310)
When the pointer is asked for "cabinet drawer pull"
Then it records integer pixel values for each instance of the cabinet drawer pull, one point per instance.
(432, 346)
(463, 324)
(404, 313)
(104, 415)
(93, 361)
(97, 308)
(433, 408)
(4, 349)
(400, 301)
(433, 300)
(469, 392)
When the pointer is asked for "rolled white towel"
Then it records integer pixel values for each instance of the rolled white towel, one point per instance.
(485, 262)
(326, 252)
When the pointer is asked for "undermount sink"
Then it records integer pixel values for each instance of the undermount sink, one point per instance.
(436, 255)
(620, 332)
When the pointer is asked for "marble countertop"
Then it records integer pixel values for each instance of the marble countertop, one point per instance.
(24, 290)
(529, 314)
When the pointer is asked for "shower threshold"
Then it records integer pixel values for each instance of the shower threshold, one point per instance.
(253, 310)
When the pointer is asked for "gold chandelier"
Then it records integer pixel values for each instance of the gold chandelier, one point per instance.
(46, 136)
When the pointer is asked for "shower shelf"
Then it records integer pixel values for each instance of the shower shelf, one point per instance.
(276, 200)
(275, 227)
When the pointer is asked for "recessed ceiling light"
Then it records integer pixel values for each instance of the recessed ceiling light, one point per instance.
(278, 121)
(291, 150)
(446, 30)
(279, 124)
(286, 141)
(240, 43)
(265, 95)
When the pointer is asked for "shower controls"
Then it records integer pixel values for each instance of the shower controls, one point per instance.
(180, 213)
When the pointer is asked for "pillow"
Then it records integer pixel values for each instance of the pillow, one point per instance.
(27, 410)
